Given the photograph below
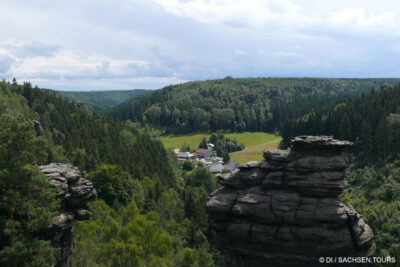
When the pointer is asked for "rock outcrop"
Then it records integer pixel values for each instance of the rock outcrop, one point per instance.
(74, 192)
(285, 210)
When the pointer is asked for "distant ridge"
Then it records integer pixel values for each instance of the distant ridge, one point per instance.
(237, 105)
(101, 101)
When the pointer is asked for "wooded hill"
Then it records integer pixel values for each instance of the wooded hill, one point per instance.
(139, 184)
(84, 138)
(102, 101)
(372, 122)
(143, 197)
(254, 104)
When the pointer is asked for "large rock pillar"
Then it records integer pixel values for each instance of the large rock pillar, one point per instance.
(285, 210)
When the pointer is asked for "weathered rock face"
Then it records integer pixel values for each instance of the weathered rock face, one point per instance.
(74, 192)
(285, 210)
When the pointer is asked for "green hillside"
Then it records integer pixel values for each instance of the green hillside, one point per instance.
(78, 136)
(102, 101)
(138, 184)
(141, 187)
(253, 104)
(372, 122)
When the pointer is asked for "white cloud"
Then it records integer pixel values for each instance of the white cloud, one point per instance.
(286, 54)
(240, 52)
(283, 13)
(28, 48)
(262, 52)
(86, 70)
(255, 13)
(105, 83)
(68, 64)
(119, 44)
(351, 17)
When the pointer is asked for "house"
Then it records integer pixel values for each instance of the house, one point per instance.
(231, 166)
(182, 156)
(176, 151)
(203, 153)
(210, 146)
(218, 160)
(217, 167)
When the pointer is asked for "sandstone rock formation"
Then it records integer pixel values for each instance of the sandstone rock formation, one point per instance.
(74, 192)
(286, 211)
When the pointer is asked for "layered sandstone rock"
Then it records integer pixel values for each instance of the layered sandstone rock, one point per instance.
(74, 192)
(285, 210)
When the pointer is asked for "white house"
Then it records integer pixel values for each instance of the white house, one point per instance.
(182, 156)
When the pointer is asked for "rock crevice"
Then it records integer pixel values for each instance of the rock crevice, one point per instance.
(285, 210)
(74, 192)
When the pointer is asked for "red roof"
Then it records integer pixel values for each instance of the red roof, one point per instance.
(201, 151)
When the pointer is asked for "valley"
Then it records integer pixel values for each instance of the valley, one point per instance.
(101, 101)
(255, 143)
(199, 133)
(140, 181)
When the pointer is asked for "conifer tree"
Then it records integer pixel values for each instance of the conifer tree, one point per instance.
(27, 203)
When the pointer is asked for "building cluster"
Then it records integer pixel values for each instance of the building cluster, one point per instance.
(207, 157)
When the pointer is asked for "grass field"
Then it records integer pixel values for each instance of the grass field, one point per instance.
(254, 153)
(255, 143)
(176, 141)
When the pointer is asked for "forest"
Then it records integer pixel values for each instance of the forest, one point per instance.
(253, 104)
(145, 198)
(101, 101)
(372, 122)
(136, 179)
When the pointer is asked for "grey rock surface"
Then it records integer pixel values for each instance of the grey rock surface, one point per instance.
(74, 192)
(285, 210)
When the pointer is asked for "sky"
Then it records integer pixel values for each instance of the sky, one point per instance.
(148, 44)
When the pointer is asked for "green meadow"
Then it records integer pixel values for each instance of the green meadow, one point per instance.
(255, 143)
(254, 153)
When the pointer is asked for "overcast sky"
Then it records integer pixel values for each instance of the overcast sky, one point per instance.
(128, 44)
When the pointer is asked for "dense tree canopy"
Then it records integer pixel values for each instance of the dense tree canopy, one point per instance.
(371, 120)
(375, 193)
(135, 176)
(101, 101)
(86, 139)
(145, 199)
(260, 104)
(27, 203)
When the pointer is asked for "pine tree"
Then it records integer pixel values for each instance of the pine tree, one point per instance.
(203, 143)
(226, 157)
(345, 129)
(27, 203)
